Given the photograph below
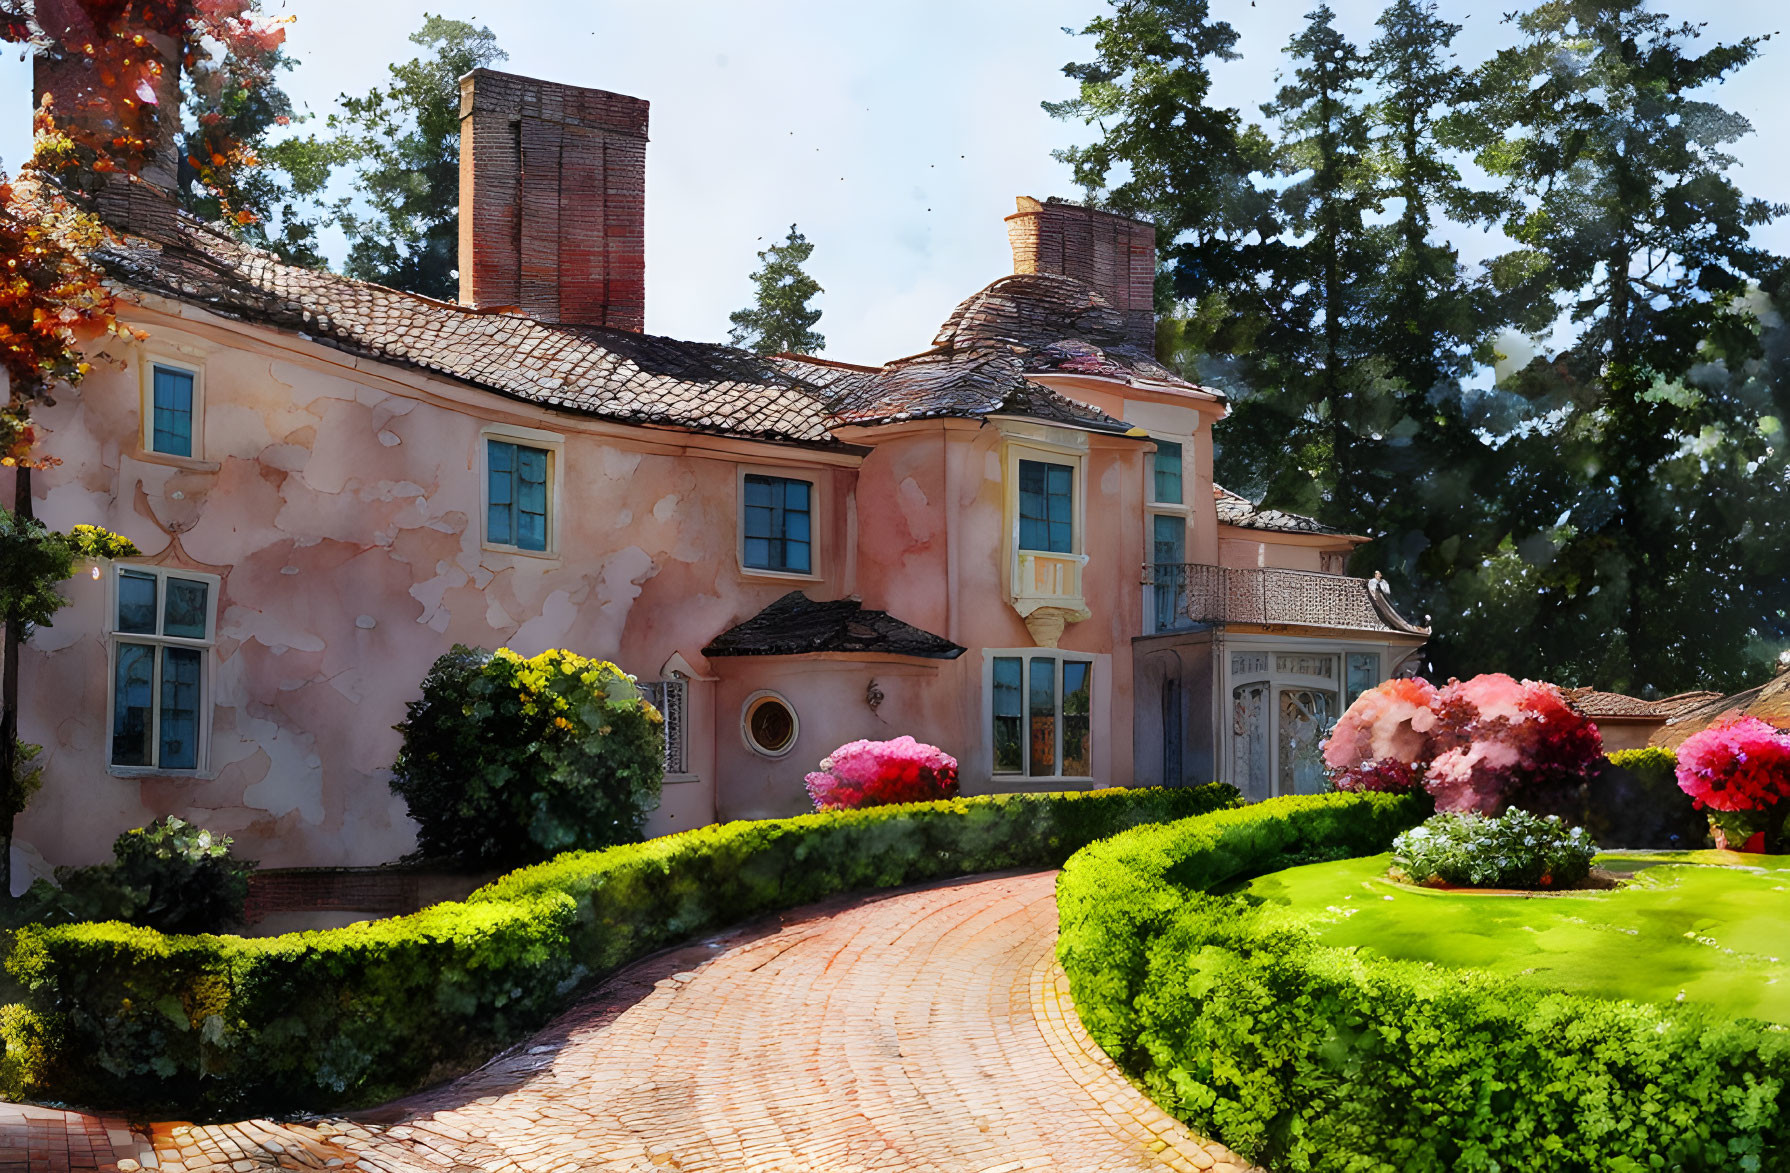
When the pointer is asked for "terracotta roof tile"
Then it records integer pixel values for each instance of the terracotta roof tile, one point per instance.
(1242, 512)
(589, 370)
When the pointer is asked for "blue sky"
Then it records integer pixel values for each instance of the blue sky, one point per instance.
(895, 135)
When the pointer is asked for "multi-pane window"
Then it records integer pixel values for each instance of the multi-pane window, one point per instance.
(162, 632)
(1168, 555)
(671, 698)
(516, 495)
(171, 411)
(1042, 710)
(1046, 507)
(1363, 674)
(1166, 479)
(778, 523)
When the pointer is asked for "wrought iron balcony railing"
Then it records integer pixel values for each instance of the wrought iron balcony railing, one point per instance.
(1192, 594)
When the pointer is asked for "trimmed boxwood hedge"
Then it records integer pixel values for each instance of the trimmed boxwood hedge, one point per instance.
(1306, 1057)
(207, 1026)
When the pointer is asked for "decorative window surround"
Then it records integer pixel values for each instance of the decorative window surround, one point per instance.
(161, 626)
(672, 699)
(180, 380)
(1045, 586)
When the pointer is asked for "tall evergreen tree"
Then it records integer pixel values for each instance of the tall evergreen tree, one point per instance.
(1623, 209)
(1186, 163)
(1316, 388)
(402, 143)
(779, 320)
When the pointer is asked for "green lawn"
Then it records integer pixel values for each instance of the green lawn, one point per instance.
(1684, 926)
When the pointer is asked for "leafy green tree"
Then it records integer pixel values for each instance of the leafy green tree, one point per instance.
(780, 320)
(1616, 170)
(230, 100)
(402, 144)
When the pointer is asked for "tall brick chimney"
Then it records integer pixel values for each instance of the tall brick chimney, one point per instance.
(145, 203)
(1115, 254)
(552, 200)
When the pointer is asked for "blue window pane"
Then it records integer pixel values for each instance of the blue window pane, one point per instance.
(1169, 540)
(185, 608)
(516, 495)
(180, 709)
(133, 698)
(1043, 706)
(171, 425)
(1167, 487)
(1046, 507)
(1009, 749)
(777, 523)
(136, 602)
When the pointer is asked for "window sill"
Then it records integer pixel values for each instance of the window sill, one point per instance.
(182, 462)
(680, 779)
(778, 575)
(519, 552)
(1028, 780)
(152, 772)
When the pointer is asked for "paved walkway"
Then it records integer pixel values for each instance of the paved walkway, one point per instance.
(926, 1030)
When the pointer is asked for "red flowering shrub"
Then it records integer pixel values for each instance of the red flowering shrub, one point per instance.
(1741, 764)
(876, 773)
(1479, 745)
(1381, 742)
(1501, 742)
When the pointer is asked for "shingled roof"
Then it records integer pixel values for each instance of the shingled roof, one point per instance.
(1049, 324)
(588, 370)
(796, 625)
(1246, 514)
(1770, 702)
(1616, 706)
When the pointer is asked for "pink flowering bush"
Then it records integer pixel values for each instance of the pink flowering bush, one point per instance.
(1478, 745)
(1501, 742)
(1739, 771)
(877, 773)
(1381, 741)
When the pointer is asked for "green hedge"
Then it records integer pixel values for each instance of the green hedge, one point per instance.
(206, 1026)
(1306, 1057)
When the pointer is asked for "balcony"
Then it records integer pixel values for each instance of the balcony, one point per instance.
(1193, 595)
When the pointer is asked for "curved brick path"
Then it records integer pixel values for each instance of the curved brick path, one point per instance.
(925, 1030)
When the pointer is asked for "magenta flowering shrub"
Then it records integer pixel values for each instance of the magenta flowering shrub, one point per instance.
(1380, 743)
(1501, 742)
(877, 773)
(1479, 745)
(1741, 764)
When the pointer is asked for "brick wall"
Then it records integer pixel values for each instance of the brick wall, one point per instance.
(553, 200)
(1115, 254)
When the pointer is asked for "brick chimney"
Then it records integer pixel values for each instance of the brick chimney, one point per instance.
(552, 200)
(147, 203)
(1115, 254)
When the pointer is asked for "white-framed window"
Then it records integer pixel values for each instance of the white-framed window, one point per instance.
(769, 724)
(521, 482)
(1041, 712)
(173, 408)
(672, 699)
(780, 517)
(163, 625)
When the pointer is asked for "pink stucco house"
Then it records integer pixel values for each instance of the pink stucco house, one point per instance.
(1008, 543)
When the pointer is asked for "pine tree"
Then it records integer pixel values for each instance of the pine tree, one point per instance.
(1315, 384)
(402, 143)
(1186, 163)
(780, 321)
(1623, 209)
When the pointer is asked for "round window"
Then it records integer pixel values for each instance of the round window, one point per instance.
(769, 724)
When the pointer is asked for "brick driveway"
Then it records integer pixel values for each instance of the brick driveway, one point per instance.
(925, 1030)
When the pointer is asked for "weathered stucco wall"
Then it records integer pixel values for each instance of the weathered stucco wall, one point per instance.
(342, 511)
